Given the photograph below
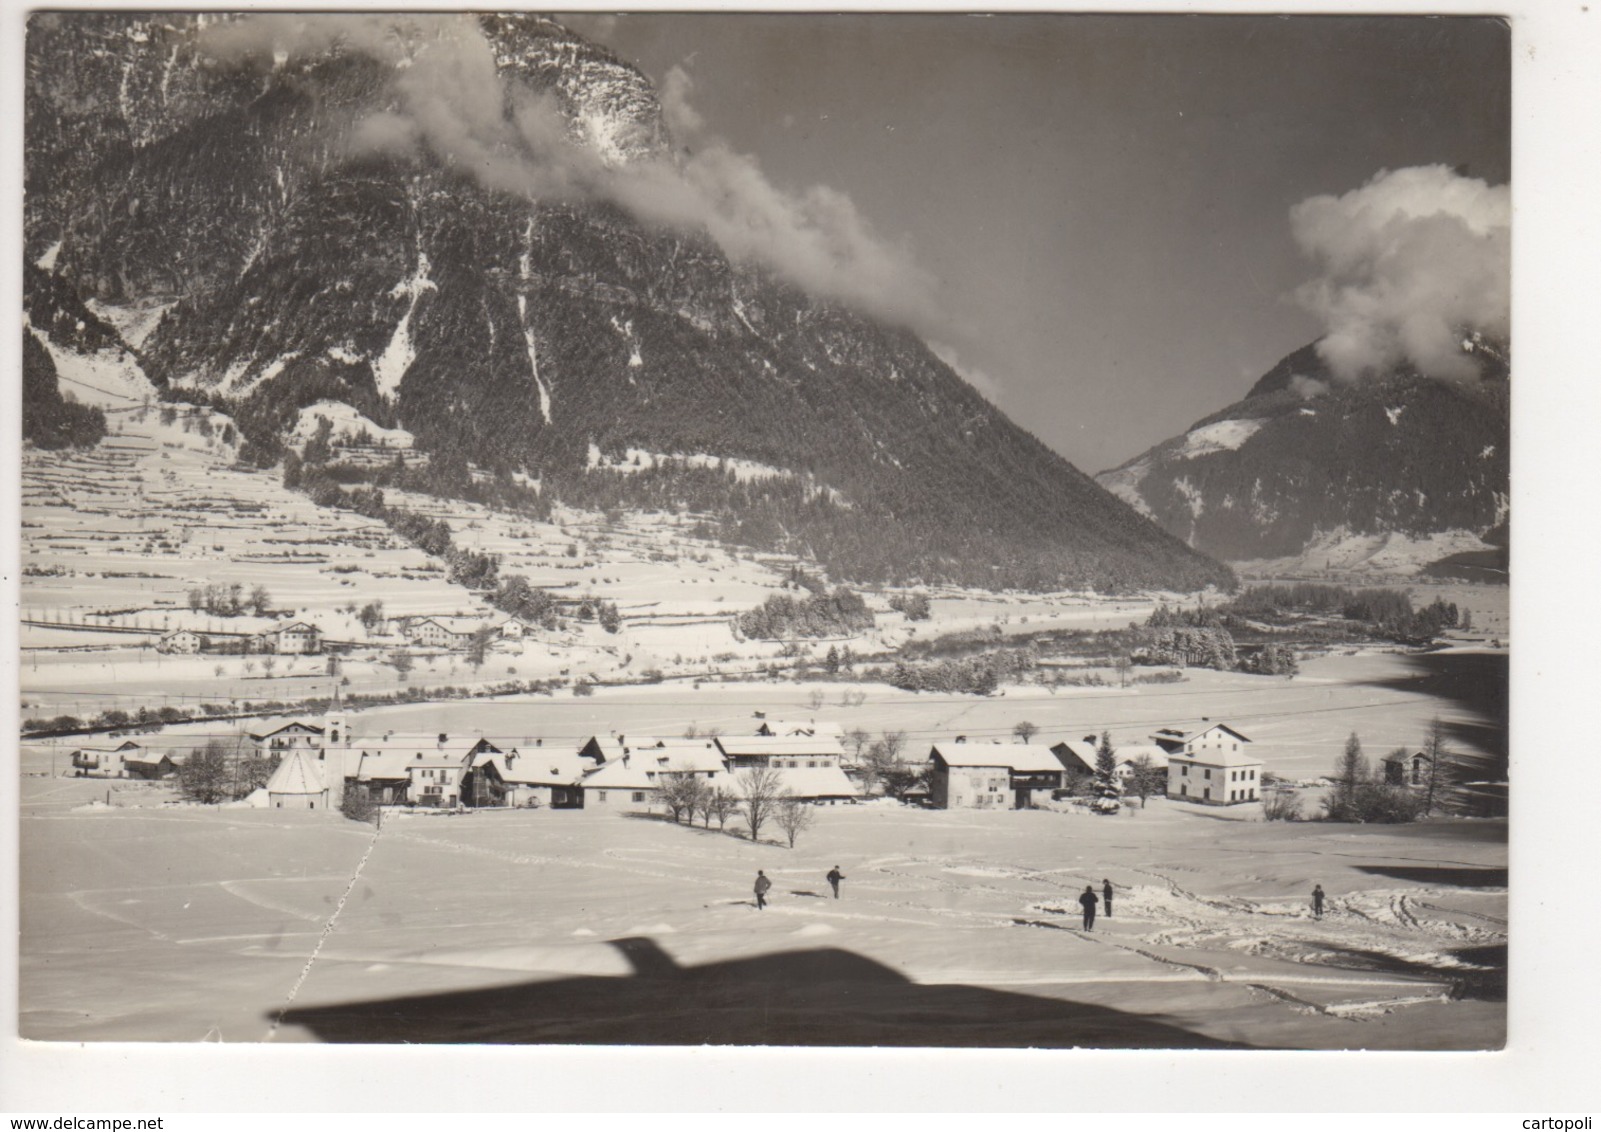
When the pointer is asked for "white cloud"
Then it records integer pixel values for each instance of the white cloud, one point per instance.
(1409, 261)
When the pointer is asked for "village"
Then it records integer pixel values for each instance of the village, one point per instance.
(320, 765)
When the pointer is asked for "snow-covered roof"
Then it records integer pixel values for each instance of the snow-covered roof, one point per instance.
(154, 758)
(764, 746)
(813, 782)
(297, 774)
(1128, 752)
(313, 728)
(461, 625)
(538, 767)
(393, 756)
(1025, 758)
(1076, 754)
(619, 775)
(680, 754)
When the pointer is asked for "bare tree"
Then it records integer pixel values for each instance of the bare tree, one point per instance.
(793, 816)
(1025, 731)
(857, 739)
(1145, 777)
(758, 793)
(815, 700)
(705, 806)
(680, 791)
(724, 804)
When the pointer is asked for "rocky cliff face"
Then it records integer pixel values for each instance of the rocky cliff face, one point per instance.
(1331, 472)
(272, 205)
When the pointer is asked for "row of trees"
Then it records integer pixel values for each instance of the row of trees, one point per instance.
(758, 795)
(230, 600)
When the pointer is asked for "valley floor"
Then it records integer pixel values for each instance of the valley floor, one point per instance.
(176, 923)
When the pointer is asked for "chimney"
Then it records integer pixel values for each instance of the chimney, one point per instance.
(961, 738)
(539, 742)
(442, 738)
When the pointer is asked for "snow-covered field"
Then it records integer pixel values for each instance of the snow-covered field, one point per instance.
(150, 922)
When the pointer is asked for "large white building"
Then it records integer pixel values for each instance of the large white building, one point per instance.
(1214, 767)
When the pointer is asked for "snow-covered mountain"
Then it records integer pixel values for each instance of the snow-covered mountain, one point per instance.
(280, 212)
(1389, 473)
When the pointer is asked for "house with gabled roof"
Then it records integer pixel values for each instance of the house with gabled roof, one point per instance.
(629, 783)
(1077, 756)
(1215, 767)
(149, 765)
(179, 641)
(992, 776)
(1130, 753)
(104, 762)
(425, 770)
(791, 752)
(293, 638)
(541, 776)
(442, 631)
(823, 785)
(295, 736)
(808, 728)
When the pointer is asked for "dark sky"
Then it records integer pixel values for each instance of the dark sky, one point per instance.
(1103, 200)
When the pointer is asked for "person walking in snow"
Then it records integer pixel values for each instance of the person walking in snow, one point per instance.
(834, 877)
(1106, 895)
(1317, 901)
(762, 885)
(1088, 902)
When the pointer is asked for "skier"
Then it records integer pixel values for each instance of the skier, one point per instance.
(834, 877)
(1317, 901)
(762, 885)
(1088, 901)
(1106, 895)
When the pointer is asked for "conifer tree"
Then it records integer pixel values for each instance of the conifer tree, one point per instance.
(1108, 790)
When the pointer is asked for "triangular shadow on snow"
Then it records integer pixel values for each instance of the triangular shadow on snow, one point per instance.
(819, 997)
